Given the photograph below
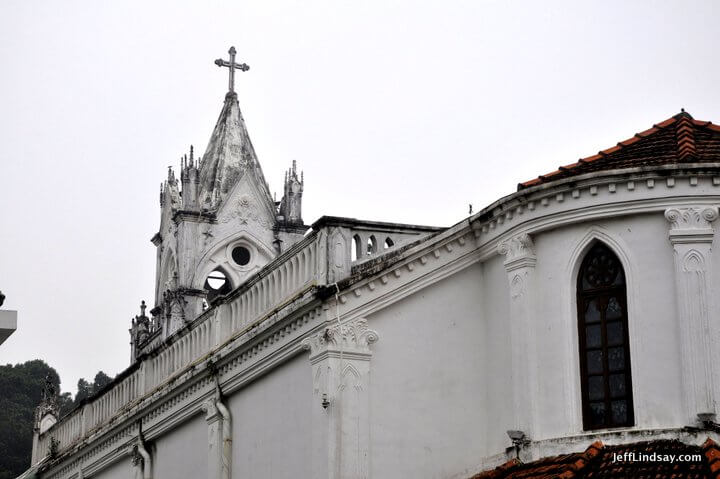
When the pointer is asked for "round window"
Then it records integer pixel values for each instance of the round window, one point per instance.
(241, 255)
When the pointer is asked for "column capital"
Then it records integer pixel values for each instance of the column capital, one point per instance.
(353, 337)
(519, 251)
(691, 224)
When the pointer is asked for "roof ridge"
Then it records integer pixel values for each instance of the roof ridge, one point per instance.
(686, 149)
(685, 134)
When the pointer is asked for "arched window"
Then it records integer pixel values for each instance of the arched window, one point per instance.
(603, 339)
(217, 284)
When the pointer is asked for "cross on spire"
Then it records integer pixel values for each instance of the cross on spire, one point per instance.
(232, 66)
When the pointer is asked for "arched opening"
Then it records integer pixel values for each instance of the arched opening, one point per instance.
(603, 341)
(371, 245)
(389, 243)
(356, 248)
(217, 284)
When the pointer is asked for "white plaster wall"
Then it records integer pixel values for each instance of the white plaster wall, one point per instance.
(182, 452)
(271, 423)
(642, 241)
(121, 469)
(427, 394)
(497, 354)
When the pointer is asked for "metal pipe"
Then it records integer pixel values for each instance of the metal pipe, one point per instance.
(147, 461)
(226, 437)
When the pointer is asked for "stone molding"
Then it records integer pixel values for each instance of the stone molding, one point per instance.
(350, 337)
(519, 251)
(692, 224)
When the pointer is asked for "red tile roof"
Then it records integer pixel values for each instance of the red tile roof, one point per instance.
(598, 462)
(679, 139)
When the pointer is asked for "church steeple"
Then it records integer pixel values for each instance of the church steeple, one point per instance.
(230, 153)
(219, 223)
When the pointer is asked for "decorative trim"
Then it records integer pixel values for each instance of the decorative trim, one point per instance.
(350, 337)
(691, 224)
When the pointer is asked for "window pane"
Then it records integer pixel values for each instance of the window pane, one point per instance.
(616, 359)
(593, 336)
(595, 362)
(592, 314)
(615, 333)
(596, 387)
(619, 412)
(597, 414)
(617, 385)
(614, 310)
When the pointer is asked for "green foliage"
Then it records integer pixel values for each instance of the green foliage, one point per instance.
(20, 392)
(101, 380)
(86, 389)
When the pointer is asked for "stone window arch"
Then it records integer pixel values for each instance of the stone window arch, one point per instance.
(603, 340)
(217, 284)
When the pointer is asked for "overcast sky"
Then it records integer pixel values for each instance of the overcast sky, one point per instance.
(403, 111)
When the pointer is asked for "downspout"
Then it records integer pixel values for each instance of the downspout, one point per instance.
(147, 461)
(226, 430)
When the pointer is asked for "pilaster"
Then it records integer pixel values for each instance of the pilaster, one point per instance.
(691, 235)
(340, 359)
(520, 259)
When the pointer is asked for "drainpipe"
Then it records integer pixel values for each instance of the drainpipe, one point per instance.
(226, 436)
(226, 426)
(147, 462)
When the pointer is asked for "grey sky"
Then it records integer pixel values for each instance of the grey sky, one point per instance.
(396, 110)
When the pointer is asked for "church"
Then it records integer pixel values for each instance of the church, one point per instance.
(566, 325)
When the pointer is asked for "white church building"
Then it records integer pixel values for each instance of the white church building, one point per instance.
(580, 310)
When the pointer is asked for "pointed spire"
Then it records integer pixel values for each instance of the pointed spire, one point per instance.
(230, 156)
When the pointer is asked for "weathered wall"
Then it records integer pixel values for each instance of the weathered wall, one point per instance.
(496, 361)
(183, 451)
(427, 390)
(271, 423)
(121, 469)
(641, 243)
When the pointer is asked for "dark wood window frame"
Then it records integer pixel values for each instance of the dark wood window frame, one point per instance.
(603, 341)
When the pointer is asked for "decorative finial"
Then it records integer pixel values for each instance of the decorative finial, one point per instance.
(232, 66)
(191, 155)
(682, 110)
(142, 308)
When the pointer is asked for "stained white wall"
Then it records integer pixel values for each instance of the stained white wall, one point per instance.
(121, 469)
(427, 393)
(641, 243)
(183, 451)
(497, 356)
(271, 423)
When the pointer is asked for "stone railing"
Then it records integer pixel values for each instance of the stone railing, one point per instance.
(322, 258)
(75, 425)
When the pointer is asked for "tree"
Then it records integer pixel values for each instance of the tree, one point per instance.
(84, 390)
(101, 380)
(20, 392)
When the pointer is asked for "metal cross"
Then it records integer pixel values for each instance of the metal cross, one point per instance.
(232, 66)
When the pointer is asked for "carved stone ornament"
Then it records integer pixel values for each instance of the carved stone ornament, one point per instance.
(246, 211)
(694, 217)
(691, 224)
(519, 247)
(351, 337)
